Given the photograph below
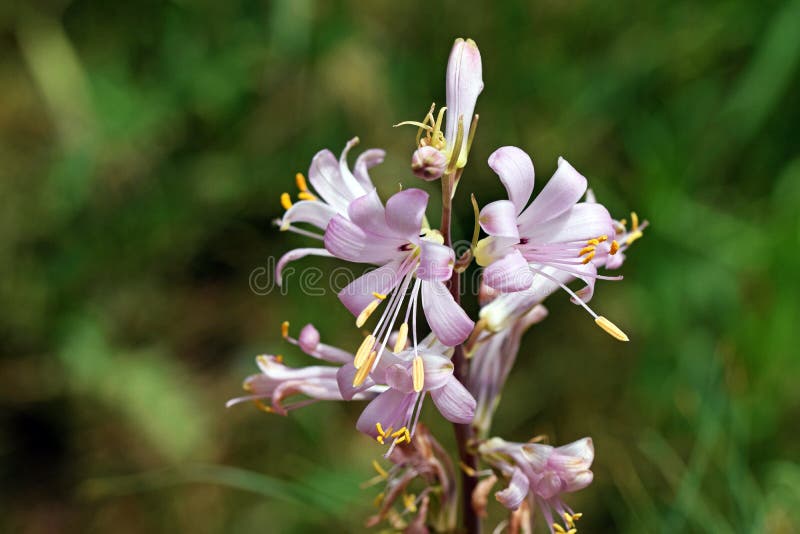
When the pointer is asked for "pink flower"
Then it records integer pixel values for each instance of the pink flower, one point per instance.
(556, 237)
(413, 265)
(543, 474)
(334, 187)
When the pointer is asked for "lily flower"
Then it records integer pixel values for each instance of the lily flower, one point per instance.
(542, 474)
(413, 265)
(464, 82)
(333, 187)
(278, 382)
(555, 237)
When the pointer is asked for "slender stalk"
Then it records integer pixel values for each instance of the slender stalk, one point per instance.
(464, 433)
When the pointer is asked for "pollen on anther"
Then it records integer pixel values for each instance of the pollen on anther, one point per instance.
(380, 470)
(610, 328)
(588, 258)
(634, 221)
(377, 295)
(614, 247)
(363, 351)
(402, 337)
(286, 201)
(285, 329)
(364, 370)
(418, 374)
(367, 311)
(305, 195)
(300, 180)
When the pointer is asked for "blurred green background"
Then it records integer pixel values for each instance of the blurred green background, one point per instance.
(143, 149)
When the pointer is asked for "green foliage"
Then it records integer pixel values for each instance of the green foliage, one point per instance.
(144, 147)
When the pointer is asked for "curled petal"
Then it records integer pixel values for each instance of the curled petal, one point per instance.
(454, 402)
(564, 189)
(464, 84)
(509, 274)
(404, 212)
(438, 370)
(344, 381)
(324, 177)
(435, 261)
(391, 408)
(515, 169)
(582, 449)
(296, 254)
(366, 160)
(515, 493)
(398, 377)
(446, 318)
(499, 218)
(582, 222)
(349, 181)
(359, 293)
(308, 211)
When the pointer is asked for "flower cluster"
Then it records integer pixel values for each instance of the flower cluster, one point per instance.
(532, 249)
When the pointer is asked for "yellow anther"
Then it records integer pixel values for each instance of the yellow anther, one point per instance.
(286, 201)
(588, 258)
(614, 247)
(612, 329)
(379, 295)
(558, 528)
(623, 222)
(418, 373)
(364, 370)
(247, 386)
(378, 499)
(380, 470)
(262, 360)
(633, 237)
(379, 428)
(576, 516)
(402, 337)
(305, 195)
(593, 242)
(379, 439)
(263, 407)
(602, 238)
(634, 221)
(586, 249)
(279, 358)
(366, 312)
(569, 519)
(300, 180)
(399, 431)
(408, 502)
(285, 329)
(363, 351)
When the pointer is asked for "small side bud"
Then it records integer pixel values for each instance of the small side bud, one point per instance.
(428, 163)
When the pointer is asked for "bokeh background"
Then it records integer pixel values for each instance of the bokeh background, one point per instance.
(143, 149)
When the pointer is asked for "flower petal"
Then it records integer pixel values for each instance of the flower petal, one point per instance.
(499, 218)
(582, 449)
(398, 377)
(404, 212)
(435, 261)
(366, 160)
(324, 177)
(391, 409)
(344, 380)
(359, 293)
(438, 370)
(464, 84)
(515, 493)
(347, 241)
(454, 402)
(308, 211)
(296, 254)
(515, 169)
(446, 318)
(509, 274)
(368, 213)
(582, 222)
(492, 248)
(349, 181)
(563, 191)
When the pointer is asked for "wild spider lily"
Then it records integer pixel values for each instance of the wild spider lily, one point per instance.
(553, 237)
(542, 474)
(335, 186)
(414, 265)
(446, 151)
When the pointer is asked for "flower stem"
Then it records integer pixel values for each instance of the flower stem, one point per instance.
(464, 433)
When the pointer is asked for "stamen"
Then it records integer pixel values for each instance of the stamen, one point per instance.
(364, 370)
(286, 201)
(263, 407)
(634, 221)
(285, 329)
(414, 123)
(612, 329)
(378, 499)
(586, 249)
(300, 180)
(379, 295)
(381, 471)
(614, 247)
(418, 374)
(402, 338)
(305, 195)
(409, 502)
(588, 258)
(363, 351)
(558, 528)
(366, 312)
(633, 237)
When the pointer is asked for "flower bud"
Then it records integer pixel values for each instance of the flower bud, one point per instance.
(428, 163)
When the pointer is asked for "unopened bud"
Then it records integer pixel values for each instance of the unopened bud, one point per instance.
(428, 163)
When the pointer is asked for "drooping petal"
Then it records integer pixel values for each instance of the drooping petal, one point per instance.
(499, 218)
(398, 377)
(515, 169)
(308, 211)
(344, 380)
(438, 370)
(582, 449)
(446, 318)
(454, 402)
(347, 241)
(509, 274)
(296, 254)
(348, 181)
(512, 496)
(324, 177)
(391, 409)
(366, 160)
(359, 293)
(464, 84)
(404, 212)
(435, 261)
(582, 222)
(563, 191)
(588, 273)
